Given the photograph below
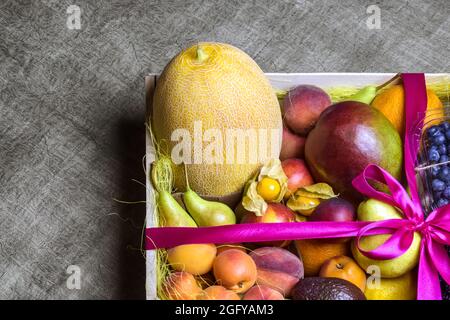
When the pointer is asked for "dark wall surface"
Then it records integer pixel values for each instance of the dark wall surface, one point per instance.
(72, 113)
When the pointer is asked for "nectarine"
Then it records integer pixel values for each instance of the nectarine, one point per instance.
(276, 212)
(302, 107)
(292, 145)
(298, 175)
(259, 292)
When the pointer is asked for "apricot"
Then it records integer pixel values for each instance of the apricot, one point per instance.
(235, 270)
(277, 268)
(196, 259)
(218, 293)
(259, 292)
(223, 247)
(181, 286)
(346, 268)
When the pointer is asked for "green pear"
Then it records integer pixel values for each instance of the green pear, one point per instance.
(374, 210)
(171, 213)
(401, 288)
(364, 95)
(207, 213)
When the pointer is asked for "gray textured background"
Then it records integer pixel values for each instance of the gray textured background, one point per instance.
(72, 114)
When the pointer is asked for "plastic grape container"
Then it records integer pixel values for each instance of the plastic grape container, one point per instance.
(433, 163)
(433, 167)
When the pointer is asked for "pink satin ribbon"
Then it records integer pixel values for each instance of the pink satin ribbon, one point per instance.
(435, 230)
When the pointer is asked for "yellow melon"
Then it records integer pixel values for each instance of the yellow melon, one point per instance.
(217, 94)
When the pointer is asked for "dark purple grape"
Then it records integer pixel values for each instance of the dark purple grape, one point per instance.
(446, 192)
(433, 130)
(442, 202)
(444, 126)
(440, 194)
(444, 174)
(435, 171)
(437, 194)
(437, 185)
(439, 139)
(433, 155)
(442, 149)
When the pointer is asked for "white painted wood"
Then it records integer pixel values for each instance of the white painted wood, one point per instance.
(151, 267)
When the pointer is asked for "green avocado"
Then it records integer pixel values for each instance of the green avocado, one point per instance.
(317, 288)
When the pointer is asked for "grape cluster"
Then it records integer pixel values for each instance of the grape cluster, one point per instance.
(438, 149)
(438, 138)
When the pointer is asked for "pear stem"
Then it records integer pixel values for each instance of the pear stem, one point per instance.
(381, 86)
(201, 54)
(186, 177)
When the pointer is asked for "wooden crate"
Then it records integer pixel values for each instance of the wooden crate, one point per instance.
(282, 81)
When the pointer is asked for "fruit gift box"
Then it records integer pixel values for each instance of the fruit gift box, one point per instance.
(295, 186)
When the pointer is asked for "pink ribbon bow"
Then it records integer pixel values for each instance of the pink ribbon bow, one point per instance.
(435, 230)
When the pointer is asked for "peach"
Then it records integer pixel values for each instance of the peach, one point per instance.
(278, 268)
(218, 293)
(276, 212)
(196, 259)
(259, 292)
(292, 145)
(302, 107)
(235, 270)
(298, 175)
(181, 286)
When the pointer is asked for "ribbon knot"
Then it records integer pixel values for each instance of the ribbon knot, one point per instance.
(434, 231)
(421, 227)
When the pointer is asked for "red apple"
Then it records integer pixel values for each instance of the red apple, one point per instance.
(297, 173)
(276, 212)
(292, 145)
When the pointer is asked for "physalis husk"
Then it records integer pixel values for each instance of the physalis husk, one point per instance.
(252, 200)
(307, 198)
